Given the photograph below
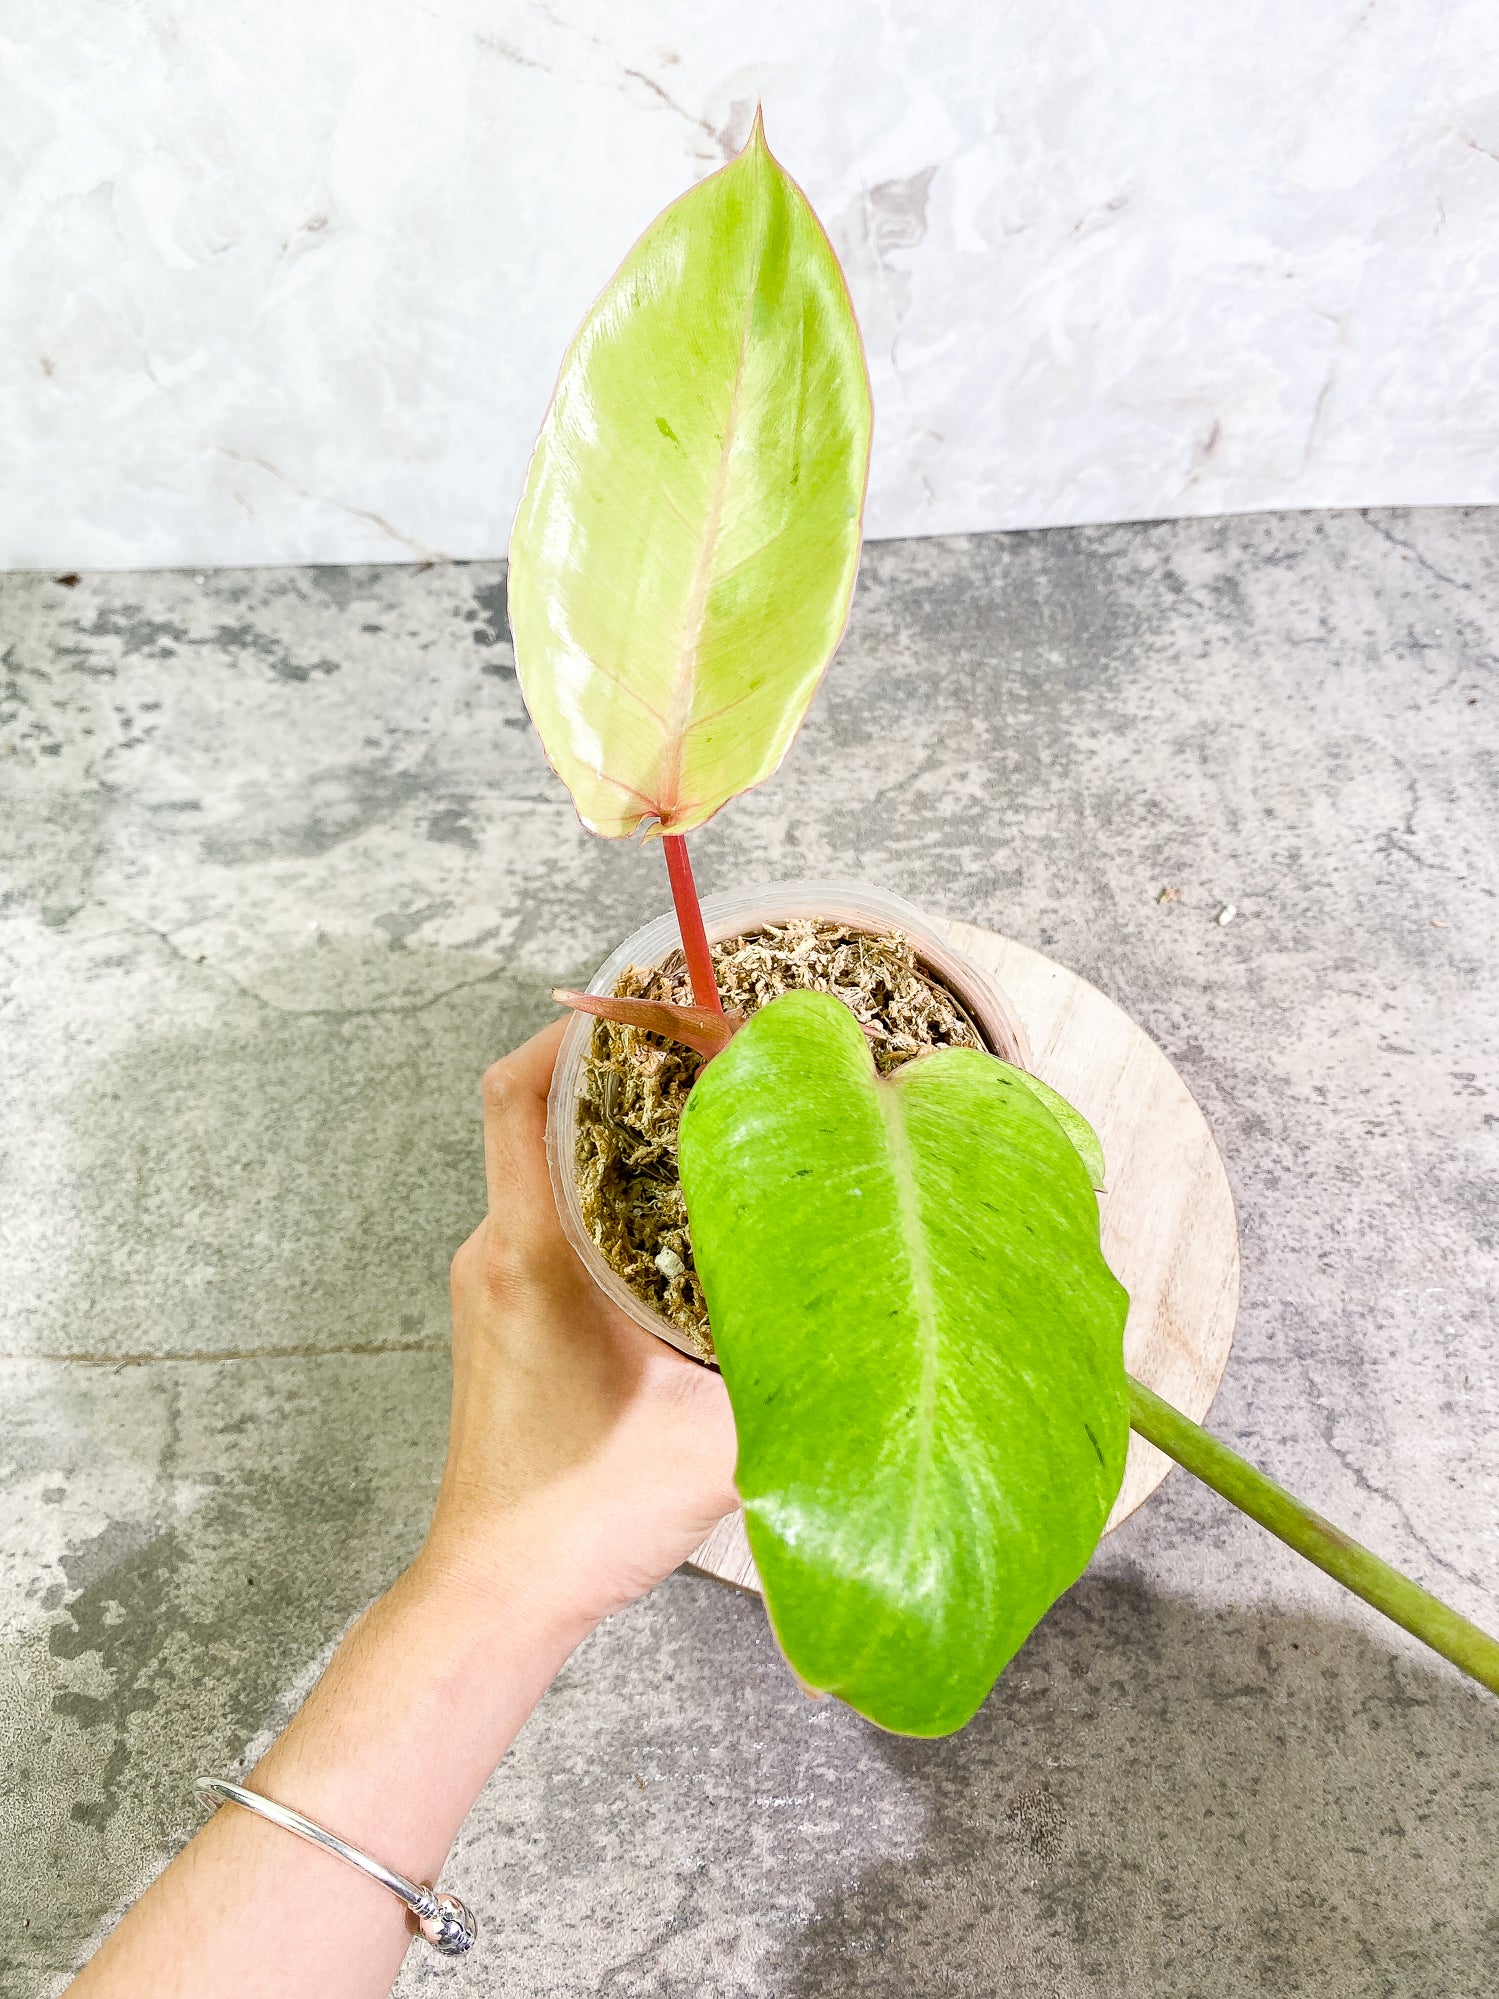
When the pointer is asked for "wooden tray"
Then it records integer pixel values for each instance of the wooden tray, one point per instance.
(1169, 1230)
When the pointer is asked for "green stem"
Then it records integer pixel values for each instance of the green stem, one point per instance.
(1410, 1606)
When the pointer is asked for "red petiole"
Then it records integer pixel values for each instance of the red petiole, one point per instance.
(690, 923)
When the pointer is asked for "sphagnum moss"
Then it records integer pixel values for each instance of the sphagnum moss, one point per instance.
(635, 1086)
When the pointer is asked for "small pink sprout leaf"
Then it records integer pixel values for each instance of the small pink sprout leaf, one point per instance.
(701, 1028)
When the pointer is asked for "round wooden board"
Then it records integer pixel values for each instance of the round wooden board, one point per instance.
(1169, 1230)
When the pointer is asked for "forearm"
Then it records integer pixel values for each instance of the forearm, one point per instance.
(585, 1461)
(417, 1706)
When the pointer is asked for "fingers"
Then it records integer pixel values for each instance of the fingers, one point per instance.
(515, 1116)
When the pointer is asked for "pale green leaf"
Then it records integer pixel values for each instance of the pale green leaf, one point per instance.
(923, 1346)
(684, 556)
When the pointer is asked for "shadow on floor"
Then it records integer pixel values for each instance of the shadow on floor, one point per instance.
(1158, 1798)
(266, 1211)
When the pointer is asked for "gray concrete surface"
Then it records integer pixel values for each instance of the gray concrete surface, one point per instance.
(283, 869)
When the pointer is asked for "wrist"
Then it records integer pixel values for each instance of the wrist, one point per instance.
(419, 1703)
(520, 1571)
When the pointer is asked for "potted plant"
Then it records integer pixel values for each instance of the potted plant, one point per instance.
(842, 1187)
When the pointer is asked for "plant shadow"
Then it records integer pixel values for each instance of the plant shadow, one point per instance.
(1160, 1797)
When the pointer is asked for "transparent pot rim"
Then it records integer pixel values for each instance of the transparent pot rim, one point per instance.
(730, 914)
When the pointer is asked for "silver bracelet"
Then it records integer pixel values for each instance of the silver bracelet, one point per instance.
(442, 1920)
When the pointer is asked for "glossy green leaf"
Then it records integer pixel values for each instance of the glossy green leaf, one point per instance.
(1084, 1137)
(923, 1346)
(684, 556)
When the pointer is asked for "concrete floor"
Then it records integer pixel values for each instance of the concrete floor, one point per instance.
(284, 868)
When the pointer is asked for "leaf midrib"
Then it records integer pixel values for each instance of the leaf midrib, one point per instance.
(697, 598)
(908, 1209)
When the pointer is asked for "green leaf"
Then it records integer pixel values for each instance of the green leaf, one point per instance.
(923, 1346)
(1084, 1137)
(684, 556)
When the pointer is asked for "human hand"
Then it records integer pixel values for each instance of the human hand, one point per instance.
(585, 1458)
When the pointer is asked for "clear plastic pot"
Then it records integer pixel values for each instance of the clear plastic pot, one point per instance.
(735, 914)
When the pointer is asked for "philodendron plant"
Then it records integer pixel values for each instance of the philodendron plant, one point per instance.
(919, 1334)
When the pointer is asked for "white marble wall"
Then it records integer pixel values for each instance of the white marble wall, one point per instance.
(287, 282)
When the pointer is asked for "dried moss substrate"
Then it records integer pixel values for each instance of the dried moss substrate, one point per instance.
(635, 1085)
